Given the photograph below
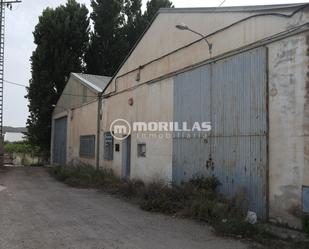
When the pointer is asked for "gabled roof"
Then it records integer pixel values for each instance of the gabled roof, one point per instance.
(95, 82)
(292, 8)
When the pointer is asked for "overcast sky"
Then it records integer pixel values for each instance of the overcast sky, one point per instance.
(20, 23)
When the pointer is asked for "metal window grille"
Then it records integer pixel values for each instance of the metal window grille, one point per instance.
(87, 146)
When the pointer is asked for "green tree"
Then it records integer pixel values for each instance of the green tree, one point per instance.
(107, 42)
(118, 24)
(135, 23)
(153, 6)
(61, 36)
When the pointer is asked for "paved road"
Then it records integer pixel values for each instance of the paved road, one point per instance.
(37, 212)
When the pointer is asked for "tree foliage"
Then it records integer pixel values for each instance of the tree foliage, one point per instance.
(63, 46)
(61, 37)
(106, 39)
(153, 6)
(117, 26)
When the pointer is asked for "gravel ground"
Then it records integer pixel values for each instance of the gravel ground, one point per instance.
(37, 212)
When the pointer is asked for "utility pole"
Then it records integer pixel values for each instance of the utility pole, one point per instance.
(3, 5)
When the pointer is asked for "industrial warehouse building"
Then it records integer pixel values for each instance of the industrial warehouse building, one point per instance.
(74, 121)
(247, 77)
(251, 85)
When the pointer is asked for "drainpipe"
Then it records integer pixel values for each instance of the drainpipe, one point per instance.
(98, 130)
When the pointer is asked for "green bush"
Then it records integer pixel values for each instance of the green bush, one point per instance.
(83, 176)
(196, 198)
(20, 147)
(126, 188)
(206, 183)
(158, 197)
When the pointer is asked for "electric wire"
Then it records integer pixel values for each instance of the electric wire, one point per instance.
(222, 3)
(69, 94)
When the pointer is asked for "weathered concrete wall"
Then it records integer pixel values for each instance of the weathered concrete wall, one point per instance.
(74, 95)
(152, 102)
(79, 103)
(288, 120)
(82, 122)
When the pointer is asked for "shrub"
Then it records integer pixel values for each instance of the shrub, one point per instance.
(158, 197)
(126, 188)
(83, 176)
(196, 198)
(21, 147)
(206, 183)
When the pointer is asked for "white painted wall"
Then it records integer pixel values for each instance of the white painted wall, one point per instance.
(152, 102)
(74, 95)
(81, 122)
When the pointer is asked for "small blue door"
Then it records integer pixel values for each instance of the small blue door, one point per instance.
(60, 141)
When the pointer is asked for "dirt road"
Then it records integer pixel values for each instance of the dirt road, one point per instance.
(37, 212)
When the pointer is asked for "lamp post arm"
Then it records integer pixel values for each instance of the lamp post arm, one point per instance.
(205, 39)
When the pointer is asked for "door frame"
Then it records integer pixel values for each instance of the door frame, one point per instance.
(65, 137)
(126, 158)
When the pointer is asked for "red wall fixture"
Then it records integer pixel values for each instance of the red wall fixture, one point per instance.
(130, 101)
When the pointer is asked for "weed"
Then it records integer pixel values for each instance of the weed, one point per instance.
(158, 197)
(83, 176)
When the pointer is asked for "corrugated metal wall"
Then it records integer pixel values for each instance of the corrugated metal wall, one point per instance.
(231, 94)
(60, 141)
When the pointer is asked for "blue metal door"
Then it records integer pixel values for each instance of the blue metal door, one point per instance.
(231, 94)
(60, 141)
(126, 158)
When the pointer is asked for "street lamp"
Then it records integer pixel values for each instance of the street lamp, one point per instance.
(183, 26)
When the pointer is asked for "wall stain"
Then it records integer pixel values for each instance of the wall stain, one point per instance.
(306, 107)
(306, 118)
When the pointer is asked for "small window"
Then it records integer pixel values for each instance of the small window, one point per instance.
(108, 146)
(87, 146)
(117, 147)
(141, 150)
